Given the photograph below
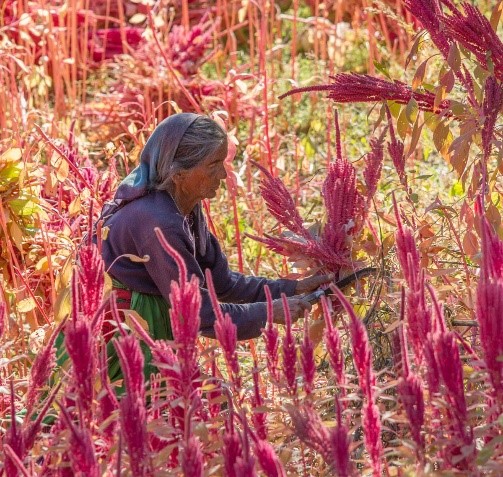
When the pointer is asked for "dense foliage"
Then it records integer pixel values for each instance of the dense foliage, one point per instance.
(399, 374)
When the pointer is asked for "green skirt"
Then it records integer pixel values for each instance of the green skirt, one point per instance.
(154, 310)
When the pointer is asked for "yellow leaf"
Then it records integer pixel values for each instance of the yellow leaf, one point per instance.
(137, 18)
(42, 265)
(26, 305)
(63, 305)
(11, 155)
(16, 235)
(75, 206)
(62, 170)
(128, 314)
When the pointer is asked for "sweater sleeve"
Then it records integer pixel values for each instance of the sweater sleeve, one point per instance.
(234, 287)
(249, 317)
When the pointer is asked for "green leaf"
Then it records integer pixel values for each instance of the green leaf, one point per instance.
(457, 189)
(24, 207)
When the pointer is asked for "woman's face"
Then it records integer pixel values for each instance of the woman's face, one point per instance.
(203, 180)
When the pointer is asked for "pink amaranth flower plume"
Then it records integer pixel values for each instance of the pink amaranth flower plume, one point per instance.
(340, 442)
(355, 88)
(490, 306)
(82, 453)
(259, 417)
(271, 338)
(429, 13)
(225, 332)
(41, 369)
(132, 405)
(185, 301)
(269, 462)
(491, 107)
(280, 203)
(475, 33)
(307, 361)
(333, 345)
(192, 458)
(410, 390)
(362, 357)
(289, 350)
(373, 166)
(80, 343)
(396, 151)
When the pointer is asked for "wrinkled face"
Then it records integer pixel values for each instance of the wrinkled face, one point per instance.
(203, 180)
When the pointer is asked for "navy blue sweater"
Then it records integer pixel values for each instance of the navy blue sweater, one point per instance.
(131, 231)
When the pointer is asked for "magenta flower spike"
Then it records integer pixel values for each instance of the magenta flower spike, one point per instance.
(333, 345)
(307, 362)
(132, 405)
(396, 151)
(41, 369)
(340, 442)
(232, 449)
(259, 417)
(192, 458)
(356, 88)
(268, 460)
(80, 344)
(280, 203)
(289, 350)
(373, 167)
(362, 358)
(491, 107)
(429, 13)
(91, 278)
(82, 452)
(475, 33)
(225, 332)
(271, 338)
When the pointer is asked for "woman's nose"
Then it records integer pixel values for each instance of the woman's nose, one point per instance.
(222, 173)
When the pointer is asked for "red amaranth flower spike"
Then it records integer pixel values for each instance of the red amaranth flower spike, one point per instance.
(91, 278)
(307, 362)
(356, 88)
(192, 458)
(344, 205)
(289, 350)
(132, 405)
(333, 345)
(475, 33)
(82, 453)
(280, 203)
(396, 151)
(491, 107)
(259, 417)
(373, 167)
(225, 332)
(269, 462)
(340, 442)
(271, 338)
(310, 429)
(429, 13)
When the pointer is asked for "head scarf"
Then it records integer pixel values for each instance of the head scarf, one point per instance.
(163, 143)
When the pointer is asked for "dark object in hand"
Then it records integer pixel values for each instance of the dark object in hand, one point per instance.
(343, 283)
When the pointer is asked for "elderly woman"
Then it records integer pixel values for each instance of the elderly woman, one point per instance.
(182, 164)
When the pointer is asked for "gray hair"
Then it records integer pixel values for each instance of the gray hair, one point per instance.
(201, 139)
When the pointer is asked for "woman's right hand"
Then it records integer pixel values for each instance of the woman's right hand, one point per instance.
(296, 305)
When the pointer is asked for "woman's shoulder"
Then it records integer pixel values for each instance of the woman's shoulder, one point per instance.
(155, 209)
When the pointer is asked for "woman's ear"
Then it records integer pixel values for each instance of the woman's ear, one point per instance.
(177, 177)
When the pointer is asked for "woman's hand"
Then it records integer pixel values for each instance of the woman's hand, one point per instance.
(296, 305)
(312, 283)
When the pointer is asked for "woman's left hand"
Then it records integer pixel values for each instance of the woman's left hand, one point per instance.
(312, 283)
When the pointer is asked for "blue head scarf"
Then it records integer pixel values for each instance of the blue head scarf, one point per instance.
(163, 143)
